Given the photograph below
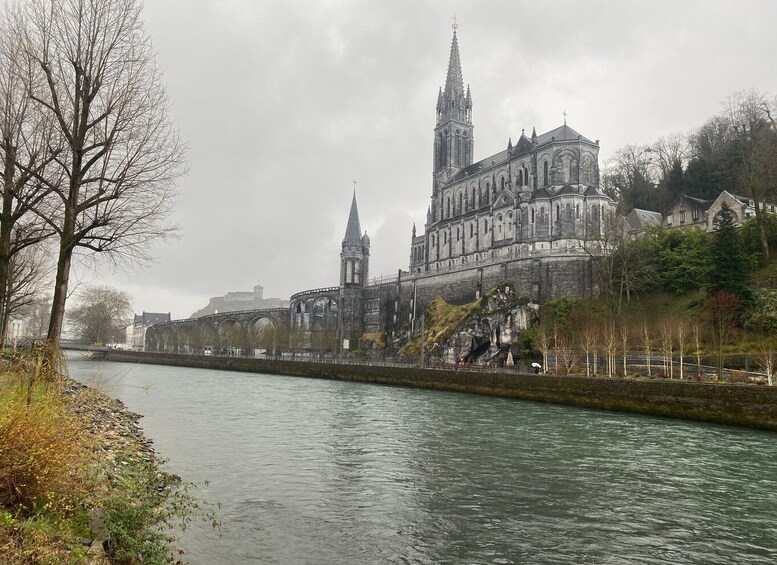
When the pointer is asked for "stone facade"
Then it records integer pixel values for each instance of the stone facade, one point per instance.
(531, 215)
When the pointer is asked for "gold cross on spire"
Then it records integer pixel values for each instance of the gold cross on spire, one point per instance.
(455, 25)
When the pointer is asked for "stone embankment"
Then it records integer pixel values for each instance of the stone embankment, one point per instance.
(736, 404)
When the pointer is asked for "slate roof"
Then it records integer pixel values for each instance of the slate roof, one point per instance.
(353, 231)
(524, 145)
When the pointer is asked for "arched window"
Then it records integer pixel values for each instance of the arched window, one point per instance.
(471, 230)
(444, 237)
(520, 178)
(545, 174)
(569, 212)
(577, 211)
(461, 202)
(448, 206)
(458, 234)
(526, 175)
(485, 226)
(503, 183)
(532, 215)
(473, 197)
(432, 241)
(558, 212)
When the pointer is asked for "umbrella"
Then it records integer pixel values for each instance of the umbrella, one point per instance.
(536, 365)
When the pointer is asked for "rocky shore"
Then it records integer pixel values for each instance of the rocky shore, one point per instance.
(121, 446)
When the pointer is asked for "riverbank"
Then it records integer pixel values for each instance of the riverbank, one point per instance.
(79, 480)
(752, 406)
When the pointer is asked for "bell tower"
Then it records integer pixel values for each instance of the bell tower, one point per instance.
(453, 141)
(354, 273)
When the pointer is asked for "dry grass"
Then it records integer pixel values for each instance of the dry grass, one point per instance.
(46, 456)
(44, 452)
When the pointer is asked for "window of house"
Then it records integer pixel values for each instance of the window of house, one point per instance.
(545, 174)
(471, 230)
(669, 219)
(520, 178)
(485, 226)
(695, 215)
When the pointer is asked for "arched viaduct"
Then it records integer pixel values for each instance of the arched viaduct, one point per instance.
(227, 332)
(309, 324)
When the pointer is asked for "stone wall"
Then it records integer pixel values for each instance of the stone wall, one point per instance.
(743, 405)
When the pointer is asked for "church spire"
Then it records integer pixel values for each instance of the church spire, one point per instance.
(353, 231)
(453, 102)
(453, 141)
(454, 82)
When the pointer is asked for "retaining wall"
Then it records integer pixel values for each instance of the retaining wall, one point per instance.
(736, 404)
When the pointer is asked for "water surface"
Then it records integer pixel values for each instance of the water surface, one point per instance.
(317, 471)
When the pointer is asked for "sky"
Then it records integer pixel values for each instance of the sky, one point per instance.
(284, 103)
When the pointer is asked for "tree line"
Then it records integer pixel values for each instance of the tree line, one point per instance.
(89, 154)
(734, 150)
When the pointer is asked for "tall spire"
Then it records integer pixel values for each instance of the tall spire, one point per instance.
(453, 102)
(353, 232)
(453, 141)
(454, 82)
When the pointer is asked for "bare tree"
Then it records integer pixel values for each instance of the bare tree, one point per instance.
(671, 149)
(116, 152)
(25, 275)
(647, 342)
(100, 314)
(724, 312)
(24, 140)
(766, 355)
(751, 129)
(681, 332)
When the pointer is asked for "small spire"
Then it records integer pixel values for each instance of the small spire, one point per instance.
(413, 230)
(509, 144)
(565, 116)
(353, 231)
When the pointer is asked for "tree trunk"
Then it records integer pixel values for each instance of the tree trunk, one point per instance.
(60, 291)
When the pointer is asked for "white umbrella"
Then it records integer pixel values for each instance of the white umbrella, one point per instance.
(509, 361)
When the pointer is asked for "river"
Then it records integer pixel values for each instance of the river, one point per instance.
(317, 471)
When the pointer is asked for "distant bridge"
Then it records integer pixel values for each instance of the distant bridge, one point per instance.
(244, 330)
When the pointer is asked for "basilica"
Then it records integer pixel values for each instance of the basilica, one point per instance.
(538, 196)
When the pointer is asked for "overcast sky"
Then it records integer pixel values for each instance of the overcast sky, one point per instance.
(284, 103)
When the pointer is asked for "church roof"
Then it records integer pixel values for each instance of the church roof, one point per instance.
(353, 232)
(524, 145)
(567, 189)
(561, 133)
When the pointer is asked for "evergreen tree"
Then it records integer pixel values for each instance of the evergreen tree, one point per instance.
(730, 264)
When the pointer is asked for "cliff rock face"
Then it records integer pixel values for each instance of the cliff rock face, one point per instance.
(487, 336)
(481, 332)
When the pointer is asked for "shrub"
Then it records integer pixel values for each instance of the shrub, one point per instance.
(44, 453)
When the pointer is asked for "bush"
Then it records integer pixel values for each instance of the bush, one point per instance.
(45, 453)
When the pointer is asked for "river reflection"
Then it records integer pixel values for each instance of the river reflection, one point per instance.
(316, 471)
